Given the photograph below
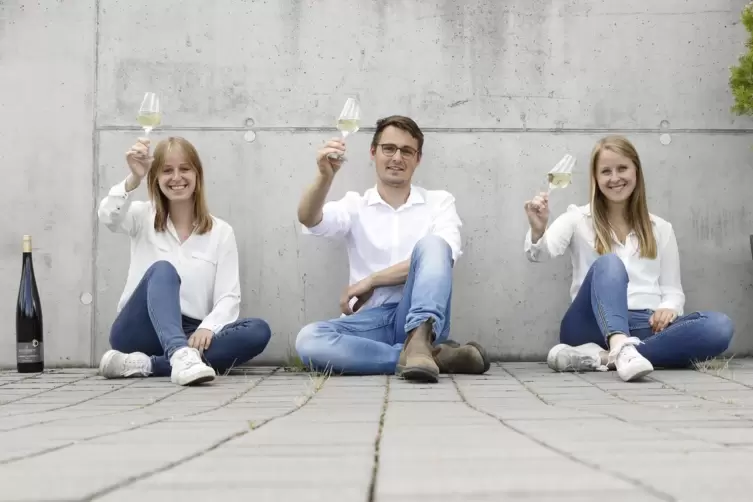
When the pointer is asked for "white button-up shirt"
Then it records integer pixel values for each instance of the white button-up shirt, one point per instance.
(653, 284)
(207, 264)
(378, 236)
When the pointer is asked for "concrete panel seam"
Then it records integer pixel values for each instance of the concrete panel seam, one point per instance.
(516, 130)
(95, 188)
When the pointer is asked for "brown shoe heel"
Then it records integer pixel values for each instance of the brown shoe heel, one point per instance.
(484, 355)
(421, 369)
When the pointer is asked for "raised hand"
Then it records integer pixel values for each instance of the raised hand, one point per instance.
(329, 166)
(138, 158)
(537, 210)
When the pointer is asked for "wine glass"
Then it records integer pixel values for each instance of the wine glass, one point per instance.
(561, 174)
(149, 112)
(349, 121)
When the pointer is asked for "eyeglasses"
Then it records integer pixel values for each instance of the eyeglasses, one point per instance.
(389, 150)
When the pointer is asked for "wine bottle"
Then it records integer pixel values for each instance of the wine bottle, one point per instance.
(29, 330)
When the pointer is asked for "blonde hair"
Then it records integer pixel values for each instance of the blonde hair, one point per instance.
(637, 209)
(202, 218)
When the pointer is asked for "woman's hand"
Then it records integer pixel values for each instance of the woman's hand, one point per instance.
(537, 210)
(661, 318)
(200, 339)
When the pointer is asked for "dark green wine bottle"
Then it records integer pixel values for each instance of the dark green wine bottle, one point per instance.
(29, 329)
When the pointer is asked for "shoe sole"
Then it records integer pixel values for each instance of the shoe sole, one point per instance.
(551, 358)
(576, 362)
(637, 375)
(419, 374)
(106, 358)
(200, 378)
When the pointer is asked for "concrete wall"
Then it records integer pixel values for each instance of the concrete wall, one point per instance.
(503, 89)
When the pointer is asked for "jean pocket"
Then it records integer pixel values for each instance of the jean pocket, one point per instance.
(638, 319)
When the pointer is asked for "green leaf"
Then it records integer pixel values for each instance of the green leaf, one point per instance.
(741, 75)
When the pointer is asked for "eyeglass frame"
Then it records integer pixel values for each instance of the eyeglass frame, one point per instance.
(413, 153)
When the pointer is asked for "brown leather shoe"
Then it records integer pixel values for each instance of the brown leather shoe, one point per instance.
(416, 362)
(468, 359)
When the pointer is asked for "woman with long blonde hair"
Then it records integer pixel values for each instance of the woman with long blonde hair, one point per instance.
(627, 310)
(182, 296)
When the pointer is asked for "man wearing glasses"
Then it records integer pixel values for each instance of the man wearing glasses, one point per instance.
(402, 243)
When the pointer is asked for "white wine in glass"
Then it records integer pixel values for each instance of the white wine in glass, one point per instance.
(561, 174)
(347, 126)
(150, 115)
(559, 180)
(349, 120)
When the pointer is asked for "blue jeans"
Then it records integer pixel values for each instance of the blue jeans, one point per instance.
(151, 322)
(600, 309)
(368, 342)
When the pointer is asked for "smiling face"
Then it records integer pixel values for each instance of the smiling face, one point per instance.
(396, 156)
(177, 177)
(616, 176)
(617, 180)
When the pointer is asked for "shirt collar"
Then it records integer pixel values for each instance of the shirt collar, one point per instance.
(415, 197)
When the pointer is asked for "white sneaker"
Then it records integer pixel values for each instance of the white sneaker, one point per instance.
(188, 368)
(630, 364)
(116, 364)
(586, 357)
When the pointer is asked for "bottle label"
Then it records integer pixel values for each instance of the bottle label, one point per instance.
(30, 352)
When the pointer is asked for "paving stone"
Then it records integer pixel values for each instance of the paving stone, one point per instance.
(489, 475)
(167, 493)
(726, 435)
(527, 496)
(314, 440)
(715, 475)
(256, 471)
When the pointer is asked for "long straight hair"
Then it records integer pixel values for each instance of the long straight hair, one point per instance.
(637, 208)
(201, 215)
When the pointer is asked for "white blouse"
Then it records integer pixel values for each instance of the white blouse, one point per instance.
(207, 264)
(653, 284)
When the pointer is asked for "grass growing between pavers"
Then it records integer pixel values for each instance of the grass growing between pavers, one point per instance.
(315, 383)
(295, 364)
(715, 366)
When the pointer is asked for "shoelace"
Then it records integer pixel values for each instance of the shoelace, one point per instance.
(188, 358)
(628, 342)
(136, 364)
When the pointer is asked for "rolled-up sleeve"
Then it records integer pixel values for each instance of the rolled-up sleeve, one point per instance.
(119, 213)
(336, 218)
(556, 238)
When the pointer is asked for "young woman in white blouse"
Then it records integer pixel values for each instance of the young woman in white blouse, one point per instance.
(182, 295)
(627, 298)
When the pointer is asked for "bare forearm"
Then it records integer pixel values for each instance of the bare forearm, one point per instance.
(392, 276)
(537, 234)
(312, 201)
(132, 182)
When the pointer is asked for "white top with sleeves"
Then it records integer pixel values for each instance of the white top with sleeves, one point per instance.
(653, 284)
(207, 264)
